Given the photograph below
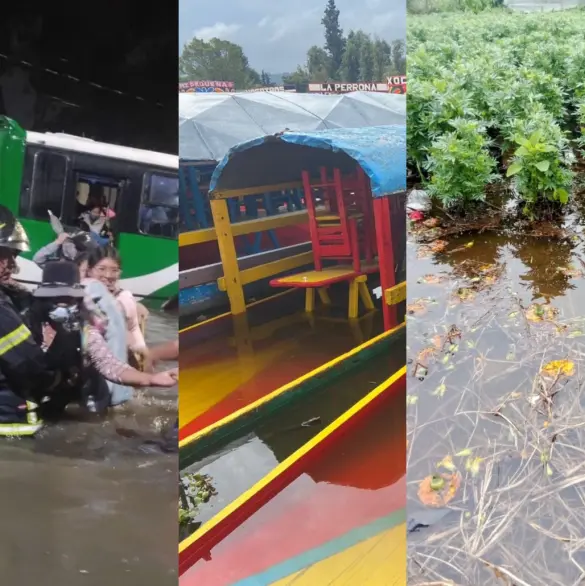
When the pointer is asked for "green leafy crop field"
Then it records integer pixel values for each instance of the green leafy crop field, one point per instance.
(496, 97)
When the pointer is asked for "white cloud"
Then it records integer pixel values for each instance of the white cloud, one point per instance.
(219, 30)
(264, 22)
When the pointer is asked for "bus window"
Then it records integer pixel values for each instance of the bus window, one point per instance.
(159, 208)
(48, 186)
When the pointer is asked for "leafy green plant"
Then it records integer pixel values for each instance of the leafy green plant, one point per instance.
(514, 73)
(460, 165)
(194, 490)
(539, 172)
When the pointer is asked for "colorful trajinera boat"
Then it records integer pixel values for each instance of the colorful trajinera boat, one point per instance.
(285, 403)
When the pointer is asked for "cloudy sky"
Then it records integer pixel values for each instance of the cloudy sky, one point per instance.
(276, 34)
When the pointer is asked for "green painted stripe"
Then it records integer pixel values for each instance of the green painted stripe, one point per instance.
(327, 550)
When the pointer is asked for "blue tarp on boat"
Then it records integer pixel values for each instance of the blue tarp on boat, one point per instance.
(379, 150)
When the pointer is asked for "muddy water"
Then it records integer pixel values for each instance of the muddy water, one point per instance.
(83, 504)
(478, 390)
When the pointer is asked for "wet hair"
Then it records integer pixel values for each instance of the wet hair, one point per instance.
(98, 254)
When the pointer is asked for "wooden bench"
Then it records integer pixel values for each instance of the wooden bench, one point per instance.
(320, 281)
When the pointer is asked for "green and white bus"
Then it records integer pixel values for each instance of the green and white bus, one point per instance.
(51, 171)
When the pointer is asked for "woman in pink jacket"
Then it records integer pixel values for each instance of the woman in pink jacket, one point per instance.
(104, 265)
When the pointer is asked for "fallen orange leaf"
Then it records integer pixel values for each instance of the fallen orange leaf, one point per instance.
(438, 498)
(557, 367)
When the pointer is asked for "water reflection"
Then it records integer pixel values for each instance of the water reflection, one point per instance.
(484, 407)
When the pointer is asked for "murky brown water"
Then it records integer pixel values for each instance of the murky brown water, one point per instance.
(84, 505)
(519, 435)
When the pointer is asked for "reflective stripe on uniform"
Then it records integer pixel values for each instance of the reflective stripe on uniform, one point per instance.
(16, 429)
(31, 414)
(13, 339)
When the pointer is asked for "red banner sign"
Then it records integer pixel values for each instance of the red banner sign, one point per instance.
(206, 86)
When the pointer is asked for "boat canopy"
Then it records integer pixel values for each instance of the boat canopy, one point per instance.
(279, 159)
(210, 124)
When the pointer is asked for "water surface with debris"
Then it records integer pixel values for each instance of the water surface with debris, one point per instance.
(94, 503)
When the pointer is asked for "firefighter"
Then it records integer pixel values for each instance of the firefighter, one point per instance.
(23, 365)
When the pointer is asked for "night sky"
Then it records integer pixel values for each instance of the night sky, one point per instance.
(52, 65)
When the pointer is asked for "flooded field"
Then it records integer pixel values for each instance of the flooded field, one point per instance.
(496, 416)
(340, 522)
(236, 467)
(94, 503)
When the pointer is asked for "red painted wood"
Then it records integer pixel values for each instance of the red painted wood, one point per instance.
(385, 256)
(201, 548)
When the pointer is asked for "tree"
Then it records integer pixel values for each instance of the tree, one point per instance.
(298, 77)
(265, 79)
(318, 64)
(366, 56)
(350, 65)
(382, 59)
(334, 41)
(217, 60)
(399, 57)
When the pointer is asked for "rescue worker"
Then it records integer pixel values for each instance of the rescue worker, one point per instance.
(23, 364)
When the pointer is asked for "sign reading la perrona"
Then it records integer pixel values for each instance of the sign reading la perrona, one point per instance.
(395, 84)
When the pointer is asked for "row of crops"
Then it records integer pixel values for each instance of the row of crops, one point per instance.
(496, 97)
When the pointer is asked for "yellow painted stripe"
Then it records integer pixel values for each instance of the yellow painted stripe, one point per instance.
(246, 227)
(228, 313)
(270, 269)
(259, 189)
(378, 561)
(291, 460)
(285, 388)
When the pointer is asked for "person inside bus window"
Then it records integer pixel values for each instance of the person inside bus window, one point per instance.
(95, 219)
(103, 265)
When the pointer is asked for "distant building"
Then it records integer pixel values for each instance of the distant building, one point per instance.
(542, 5)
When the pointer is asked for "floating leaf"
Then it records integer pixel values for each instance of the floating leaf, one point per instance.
(431, 279)
(464, 452)
(537, 312)
(411, 399)
(440, 390)
(470, 344)
(447, 463)
(575, 334)
(469, 244)
(446, 358)
(559, 367)
(549, 471)
(431, 497)
(472, 465)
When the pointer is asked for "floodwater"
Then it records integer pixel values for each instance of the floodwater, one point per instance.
(236, 467)
(488, 314)
(229, 363)
(356, 487)
(89, 503)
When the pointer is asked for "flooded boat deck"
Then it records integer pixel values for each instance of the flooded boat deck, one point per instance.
(342, 521)
(74, 498)
(230, 362)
